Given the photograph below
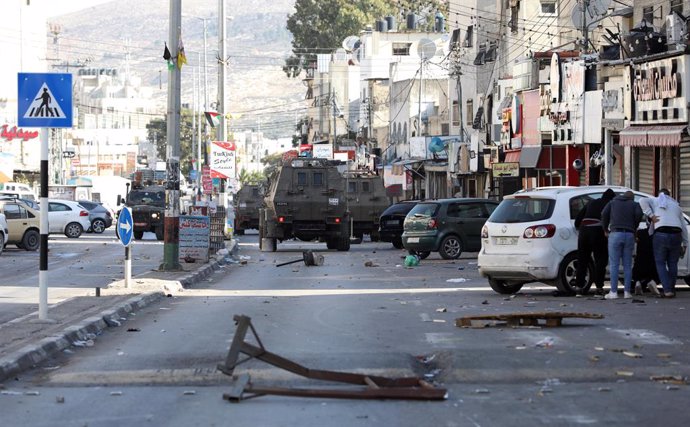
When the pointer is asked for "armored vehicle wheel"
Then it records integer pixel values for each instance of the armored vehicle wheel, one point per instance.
(344, 244)
(397, 243)
(138, 234)
(160, 233)
(375, 237)
(332, 244)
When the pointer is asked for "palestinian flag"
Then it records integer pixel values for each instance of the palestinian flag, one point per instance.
(212, 118)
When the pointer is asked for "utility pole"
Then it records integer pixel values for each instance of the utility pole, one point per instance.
(455, 146)
(171, 246)
(222, 126)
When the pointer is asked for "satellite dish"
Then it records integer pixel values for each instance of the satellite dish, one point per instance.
(595, 11)
(426, 49)
(351, 43)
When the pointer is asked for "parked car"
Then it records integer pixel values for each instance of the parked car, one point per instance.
(23, 222)
(99, 216)
(4, 232)
(449, 226)
(531, 237)
(68, 217)
(391, 222)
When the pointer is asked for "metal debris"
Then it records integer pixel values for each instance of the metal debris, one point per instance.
(526, 319)
(372, 387)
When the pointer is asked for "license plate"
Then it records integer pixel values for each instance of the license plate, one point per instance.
(413, 240)
(506, 240)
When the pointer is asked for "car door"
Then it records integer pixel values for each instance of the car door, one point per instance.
(17, 222)
(58, 216)
(470, 218)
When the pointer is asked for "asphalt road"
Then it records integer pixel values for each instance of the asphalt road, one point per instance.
(160, 367)
(76, 267)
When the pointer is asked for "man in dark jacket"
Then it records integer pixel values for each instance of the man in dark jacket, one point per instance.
(591, 240)
(620, 219)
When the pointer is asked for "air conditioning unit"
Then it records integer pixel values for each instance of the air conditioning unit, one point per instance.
(675, 30)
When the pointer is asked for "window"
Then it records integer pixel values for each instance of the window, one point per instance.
(648, 15)
(469, 118)
(456, 114)
(13, 211)
(401, 49)
(468, 37)
(548, 7)
(523, 209)
(317, 179)
(470, 211)
(58, 207)
(351, 187)
(677, 6)
(365, 187)
(301, 178)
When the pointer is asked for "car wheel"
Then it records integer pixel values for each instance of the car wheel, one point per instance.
(98, 226)
(73, 230)
(397, 243)
(31, 240)
(567, 273)
(138, 235)
(504, 287)
(451, 247)
(420, 254)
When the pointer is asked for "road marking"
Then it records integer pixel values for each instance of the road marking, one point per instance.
(645, 336)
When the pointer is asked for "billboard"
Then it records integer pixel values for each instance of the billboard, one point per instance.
(223, 159)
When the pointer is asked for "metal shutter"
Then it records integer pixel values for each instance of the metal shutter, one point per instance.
(645, 169)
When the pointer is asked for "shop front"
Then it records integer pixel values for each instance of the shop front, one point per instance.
(657, 134)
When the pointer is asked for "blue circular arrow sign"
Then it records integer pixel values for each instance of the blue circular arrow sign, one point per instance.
(125, 226)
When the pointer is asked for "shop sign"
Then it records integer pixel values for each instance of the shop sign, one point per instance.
(9, 133)
(505, 170)
(659, 92)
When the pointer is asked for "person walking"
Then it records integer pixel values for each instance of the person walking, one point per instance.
(620, 219)
(670, 238)
(591, 240)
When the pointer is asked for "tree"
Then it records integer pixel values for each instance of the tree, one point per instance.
(251, 177)
(158, 135)
(320, 26)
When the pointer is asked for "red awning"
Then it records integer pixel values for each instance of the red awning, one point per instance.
(634, 136)
(652, 136)
(665, 136)
(512, 156)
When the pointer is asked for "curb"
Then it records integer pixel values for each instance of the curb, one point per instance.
(31, 355)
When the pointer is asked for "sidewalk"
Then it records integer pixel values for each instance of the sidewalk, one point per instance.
(26, 341)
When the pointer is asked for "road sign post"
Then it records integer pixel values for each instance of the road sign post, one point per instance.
(44, 100)
(125, 232)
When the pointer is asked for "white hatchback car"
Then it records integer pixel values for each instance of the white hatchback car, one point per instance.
(531, 237)
(68, 217)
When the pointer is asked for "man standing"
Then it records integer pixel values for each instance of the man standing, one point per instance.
(591, 240)
(620, 219)
(669, 240)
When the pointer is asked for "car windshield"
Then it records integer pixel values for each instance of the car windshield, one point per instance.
(153, 198)
(398, 208)
(424, 209)
(522, 209)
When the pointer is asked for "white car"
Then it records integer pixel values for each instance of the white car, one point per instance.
(4, 232)
(531, 237)
(68, 217)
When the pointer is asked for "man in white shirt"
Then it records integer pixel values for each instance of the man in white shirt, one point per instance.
(670, 237)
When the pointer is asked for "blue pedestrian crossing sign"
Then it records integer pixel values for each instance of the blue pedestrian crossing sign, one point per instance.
(44, 100)
(125, 226)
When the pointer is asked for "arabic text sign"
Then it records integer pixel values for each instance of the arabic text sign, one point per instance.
(194, 237)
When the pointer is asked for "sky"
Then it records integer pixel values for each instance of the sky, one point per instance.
(61, 7)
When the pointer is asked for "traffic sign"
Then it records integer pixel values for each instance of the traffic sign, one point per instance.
(125, 226)
(44, 100)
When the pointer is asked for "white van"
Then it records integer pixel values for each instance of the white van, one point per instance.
(16, 189)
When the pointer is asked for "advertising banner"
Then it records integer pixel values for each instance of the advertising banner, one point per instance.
(222, 159)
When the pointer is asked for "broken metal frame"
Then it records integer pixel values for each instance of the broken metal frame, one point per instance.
(375, 387)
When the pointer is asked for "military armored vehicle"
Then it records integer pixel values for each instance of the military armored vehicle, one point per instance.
(148, 209)
(366, 201)
(247, 202)
(306, 200)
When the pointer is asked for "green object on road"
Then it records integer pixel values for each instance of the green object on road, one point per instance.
(411, 261)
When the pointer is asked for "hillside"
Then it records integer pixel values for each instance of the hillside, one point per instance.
(106, 35)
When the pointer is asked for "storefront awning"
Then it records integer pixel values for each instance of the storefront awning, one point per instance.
(529, 156)
(512, 157)
(652, 136)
